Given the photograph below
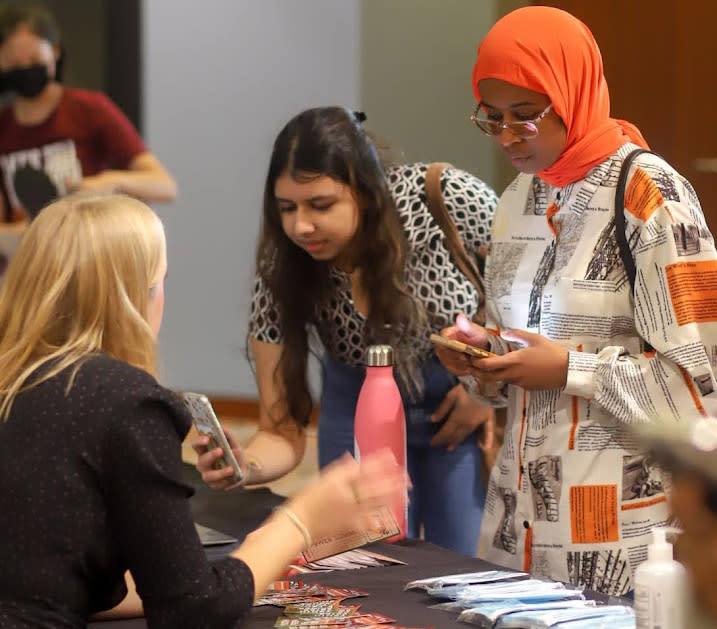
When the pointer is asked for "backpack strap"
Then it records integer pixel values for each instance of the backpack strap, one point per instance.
(453, 241)
(620, 225)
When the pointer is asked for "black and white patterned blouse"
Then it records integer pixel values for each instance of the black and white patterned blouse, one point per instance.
(435, 279)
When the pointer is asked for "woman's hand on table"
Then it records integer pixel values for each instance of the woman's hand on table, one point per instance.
(344, 497)
(347, 494)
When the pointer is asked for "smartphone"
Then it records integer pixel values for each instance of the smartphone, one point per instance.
(206, 422)
(458, 346)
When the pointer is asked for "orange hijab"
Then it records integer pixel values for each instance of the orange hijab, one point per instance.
(547, 50)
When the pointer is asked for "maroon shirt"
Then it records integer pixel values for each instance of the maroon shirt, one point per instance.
(86, 134)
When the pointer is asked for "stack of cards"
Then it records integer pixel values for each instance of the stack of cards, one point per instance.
(383, 525)
(316, 606)
(348, 560)
(465, 578)
(283, 593)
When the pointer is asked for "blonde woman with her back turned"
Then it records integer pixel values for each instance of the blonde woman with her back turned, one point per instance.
(80, 310)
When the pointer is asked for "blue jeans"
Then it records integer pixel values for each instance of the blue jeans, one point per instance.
(448, 494)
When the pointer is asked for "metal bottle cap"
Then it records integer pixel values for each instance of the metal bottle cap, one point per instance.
(379, 356)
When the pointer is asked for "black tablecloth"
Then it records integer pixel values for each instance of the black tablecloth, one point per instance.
(384, 585)
(239, 512)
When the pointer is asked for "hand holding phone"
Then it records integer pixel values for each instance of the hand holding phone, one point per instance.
(458, 346)
(207, 424)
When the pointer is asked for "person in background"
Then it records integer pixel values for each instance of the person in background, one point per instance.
(80, 310)
(349, 256)
(567, 498)
(55, 139)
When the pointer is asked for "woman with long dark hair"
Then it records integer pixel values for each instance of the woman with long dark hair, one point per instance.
(350, 255)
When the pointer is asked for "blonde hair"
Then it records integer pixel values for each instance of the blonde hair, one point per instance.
(79, 285)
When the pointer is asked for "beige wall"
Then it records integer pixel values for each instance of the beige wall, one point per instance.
(416, 60)
(218, 86)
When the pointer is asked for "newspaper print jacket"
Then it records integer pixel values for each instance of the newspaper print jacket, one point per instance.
(572, 497)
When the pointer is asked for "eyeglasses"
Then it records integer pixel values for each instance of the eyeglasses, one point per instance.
(525, 129)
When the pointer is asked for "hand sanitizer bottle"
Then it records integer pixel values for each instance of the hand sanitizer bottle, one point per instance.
(660, 586)
(379, 421)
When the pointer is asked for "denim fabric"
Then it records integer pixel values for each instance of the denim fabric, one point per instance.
(448, 493)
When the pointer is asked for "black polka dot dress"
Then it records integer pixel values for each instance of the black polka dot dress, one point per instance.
(91, 486)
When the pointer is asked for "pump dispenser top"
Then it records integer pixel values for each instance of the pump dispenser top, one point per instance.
(660, 549)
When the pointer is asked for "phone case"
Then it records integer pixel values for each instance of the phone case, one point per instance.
(206, 423)
(458, 346)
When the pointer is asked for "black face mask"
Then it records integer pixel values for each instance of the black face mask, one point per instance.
(27, 82)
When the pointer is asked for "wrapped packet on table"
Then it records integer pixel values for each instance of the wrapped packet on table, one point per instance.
(496, 591)
(486, 615)
(604, 622)
(599, 616)
(452, 606)
(466, 578)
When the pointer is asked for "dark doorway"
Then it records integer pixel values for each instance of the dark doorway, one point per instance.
(659, 58)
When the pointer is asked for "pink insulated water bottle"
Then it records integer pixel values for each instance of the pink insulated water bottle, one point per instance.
(379, 421)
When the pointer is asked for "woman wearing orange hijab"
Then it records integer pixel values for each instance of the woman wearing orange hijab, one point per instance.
(581, 355)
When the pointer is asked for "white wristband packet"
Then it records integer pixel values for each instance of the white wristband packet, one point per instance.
(600, 616)
(465, 578)
(486, 615)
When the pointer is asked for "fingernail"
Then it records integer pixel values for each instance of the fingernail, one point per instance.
(463, 323)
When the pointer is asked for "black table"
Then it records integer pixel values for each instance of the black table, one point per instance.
(385, 585)
(239, 512)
